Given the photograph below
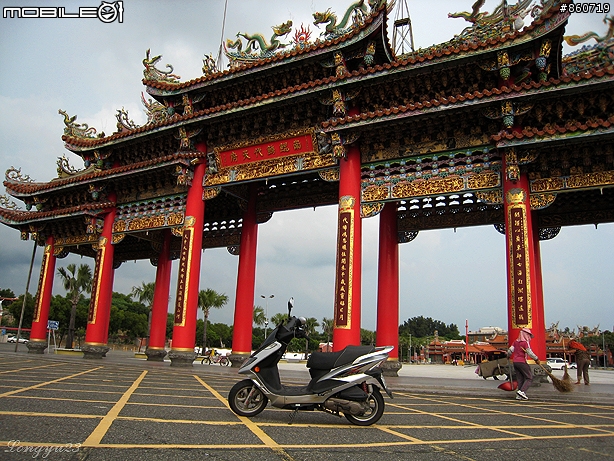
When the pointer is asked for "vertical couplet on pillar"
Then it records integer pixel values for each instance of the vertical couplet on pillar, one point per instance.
(388, 281)
(246, 280)
(186, 302)
(96, 334)
(38, 334)
(524, 307)
(159, 309)
(346, 328)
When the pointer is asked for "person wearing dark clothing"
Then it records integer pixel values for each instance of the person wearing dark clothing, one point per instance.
(519, 351)
(583, 360)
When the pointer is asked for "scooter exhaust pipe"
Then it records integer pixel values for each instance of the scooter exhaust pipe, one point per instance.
(346, 406)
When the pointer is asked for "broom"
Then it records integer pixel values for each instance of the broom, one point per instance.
(559, 384)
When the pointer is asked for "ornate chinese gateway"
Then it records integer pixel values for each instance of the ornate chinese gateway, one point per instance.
(495, 126)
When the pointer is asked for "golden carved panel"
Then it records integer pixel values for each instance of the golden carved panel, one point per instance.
(375, 193)
(483, 181)
(428, 187)
(270, 168)
(146, 223)
(547, 184)
(602, 178)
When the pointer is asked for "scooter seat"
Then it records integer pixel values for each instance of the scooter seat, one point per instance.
(330, 360)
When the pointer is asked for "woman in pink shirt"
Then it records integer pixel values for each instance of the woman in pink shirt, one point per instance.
(519, 351)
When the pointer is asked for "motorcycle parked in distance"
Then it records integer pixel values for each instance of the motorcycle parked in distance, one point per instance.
(343, 382)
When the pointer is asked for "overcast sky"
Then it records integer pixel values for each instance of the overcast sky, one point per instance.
(91, 69)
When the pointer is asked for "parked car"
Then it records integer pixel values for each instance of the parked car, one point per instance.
(13, 339)
(573, 365)
(557, 363)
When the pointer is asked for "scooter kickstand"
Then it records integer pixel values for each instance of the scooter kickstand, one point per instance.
(293, 415)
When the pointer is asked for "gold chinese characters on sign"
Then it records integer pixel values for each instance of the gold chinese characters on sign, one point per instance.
(345, 263)
(518, 247)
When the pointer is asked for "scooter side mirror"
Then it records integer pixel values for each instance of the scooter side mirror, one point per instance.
(290, 306)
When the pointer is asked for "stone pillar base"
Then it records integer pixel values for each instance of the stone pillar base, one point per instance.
(391, 367)
(94, 352)
(156, 355)
(236, 360)
(36, 347)
(181, 358)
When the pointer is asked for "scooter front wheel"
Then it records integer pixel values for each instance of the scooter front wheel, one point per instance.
(371, 416)
(245, 399)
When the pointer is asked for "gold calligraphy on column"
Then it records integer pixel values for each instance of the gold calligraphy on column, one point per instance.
(345, 263)
(518, 247)
(42, 281)
(185, 266)
(100, 258)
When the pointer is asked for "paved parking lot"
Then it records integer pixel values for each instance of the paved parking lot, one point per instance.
(117, 409)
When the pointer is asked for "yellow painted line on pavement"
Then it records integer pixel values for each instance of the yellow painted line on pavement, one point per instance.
(47, 415)
(99, 432)
(36, 386)
(29, 368)
(253, 427)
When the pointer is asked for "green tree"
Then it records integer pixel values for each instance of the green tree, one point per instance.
(128, 318)
(15, 310)
(311, 324)
(259, 317)
(278, 318)
(206, 300)
(327, 328)
(6, 299)
(421, 327)
(145, 295)
(75, 282)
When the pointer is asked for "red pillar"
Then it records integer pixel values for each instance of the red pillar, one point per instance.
(186, 303)
(388, 281)
(38, 334)
(159, 309)
(96, 334)
(246, 281)
(539, 319)
(346, 328)
(523, 269)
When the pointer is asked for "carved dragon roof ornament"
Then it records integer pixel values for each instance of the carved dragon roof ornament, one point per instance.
(590, 57)
(156, 111)
(505, 18)
(123, 122)
(151, 73)
(357, 13)
(573, 40)
(78, 130)
(255, 42)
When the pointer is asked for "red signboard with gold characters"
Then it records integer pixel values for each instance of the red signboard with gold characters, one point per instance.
(272, 149)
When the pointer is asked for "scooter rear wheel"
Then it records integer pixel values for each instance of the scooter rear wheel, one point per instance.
(245, 399)
(376, 402)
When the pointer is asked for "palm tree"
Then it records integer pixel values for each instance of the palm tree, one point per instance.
(278, 318)
(327, 328)
(259, 317)
(310, 327)
(145, 295)
(75, 282)
(206, 300)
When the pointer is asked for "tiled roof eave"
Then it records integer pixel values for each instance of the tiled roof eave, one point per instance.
(408, 65)
(475, 99)
(19, 217)
(25, 189)
(573, 132)
(247, 70)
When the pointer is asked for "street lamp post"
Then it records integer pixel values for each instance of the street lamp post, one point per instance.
(266, 312)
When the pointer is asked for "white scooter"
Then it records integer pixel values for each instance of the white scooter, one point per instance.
(341, 382)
